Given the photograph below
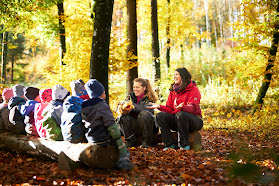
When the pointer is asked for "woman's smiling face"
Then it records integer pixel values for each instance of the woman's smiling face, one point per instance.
(138, 89)
(177, 78)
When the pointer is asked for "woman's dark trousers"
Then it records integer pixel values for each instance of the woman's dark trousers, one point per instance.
(182, 122)
(133, 128)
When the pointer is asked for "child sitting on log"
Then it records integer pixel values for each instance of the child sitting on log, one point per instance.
(45, 97)
(7, 93)
(72, 127)
(78, 89)
(100, 123)
(27, 110)
(17, 124)
(18, 90)
(52, 113)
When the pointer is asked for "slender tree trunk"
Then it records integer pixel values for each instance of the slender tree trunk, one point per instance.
(207, 24)
(62, 34)
(196, 5)
(132, 51)
(155, 41)
(271, 60)
(231, 22)
(4, 56)
(221, 24)
(100, 43)
(12, 71)
(215, 24)
(168, 36)
(181, 54)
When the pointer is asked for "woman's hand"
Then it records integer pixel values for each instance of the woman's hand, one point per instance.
(153, 106)
(179, 106)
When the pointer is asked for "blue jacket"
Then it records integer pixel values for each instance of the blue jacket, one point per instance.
(72, 127)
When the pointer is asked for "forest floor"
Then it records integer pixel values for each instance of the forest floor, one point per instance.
(227, 157)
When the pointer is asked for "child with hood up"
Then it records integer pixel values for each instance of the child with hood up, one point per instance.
(16, 118)
(72, 127)
(45, 97)
(52, 113)
(78, 89)
(7, 93)
(100, 123)
(27, 110)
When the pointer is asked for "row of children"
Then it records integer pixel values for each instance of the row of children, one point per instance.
(53, 113)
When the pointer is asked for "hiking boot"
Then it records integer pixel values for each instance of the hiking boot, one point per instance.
(185, 148)
(169, 147)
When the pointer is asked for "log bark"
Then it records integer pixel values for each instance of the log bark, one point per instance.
(68, 155)
(194, 139)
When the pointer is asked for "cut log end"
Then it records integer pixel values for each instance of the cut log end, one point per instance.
(104, 156)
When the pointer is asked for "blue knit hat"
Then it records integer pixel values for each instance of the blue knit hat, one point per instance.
(77, 87)
(94, 88)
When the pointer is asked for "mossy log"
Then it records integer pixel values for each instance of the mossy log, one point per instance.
(67, 154)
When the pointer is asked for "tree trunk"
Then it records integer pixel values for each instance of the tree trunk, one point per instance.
(168, 37)
(155, 41)
(231, 22)
(215, 24)
(132, 51)
(271, 60)
(12, 71)
(4, 56)
(62, 34)
(64, 152)
(100, 43)
(207, 24)
(220, 12)
(182, 54)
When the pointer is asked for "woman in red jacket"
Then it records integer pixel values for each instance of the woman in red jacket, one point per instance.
(182, 112)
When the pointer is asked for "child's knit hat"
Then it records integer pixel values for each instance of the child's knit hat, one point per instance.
(31, 93)
(78, 88)
(94, 88)
(18, 90)
(45, 95)
(7, 93)
(59, 92)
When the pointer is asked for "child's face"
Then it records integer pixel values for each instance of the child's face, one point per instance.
(103, 95)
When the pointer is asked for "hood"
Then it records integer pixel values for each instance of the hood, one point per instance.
(72, 104)
(15, 101)
(91, 102)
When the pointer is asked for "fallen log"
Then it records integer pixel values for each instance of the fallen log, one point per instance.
(194, 140)
(68, 155)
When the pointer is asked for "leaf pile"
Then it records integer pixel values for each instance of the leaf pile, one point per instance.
(227, 157)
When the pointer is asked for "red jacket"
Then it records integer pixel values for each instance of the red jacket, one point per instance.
(190, 96)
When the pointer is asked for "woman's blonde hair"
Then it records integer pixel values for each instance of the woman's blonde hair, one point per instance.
(149, 92)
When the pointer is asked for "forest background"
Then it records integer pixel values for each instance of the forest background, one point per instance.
(225, 44)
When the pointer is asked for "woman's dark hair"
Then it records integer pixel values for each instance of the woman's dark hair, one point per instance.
(185, 78)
